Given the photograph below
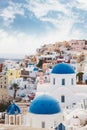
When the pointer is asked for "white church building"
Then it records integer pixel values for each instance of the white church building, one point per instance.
(44, 112)
(63, 86)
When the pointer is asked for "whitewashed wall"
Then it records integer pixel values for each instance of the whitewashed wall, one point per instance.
(51, 121)
(59, 77)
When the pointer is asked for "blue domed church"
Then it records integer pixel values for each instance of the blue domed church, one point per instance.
(63, 75)
(62, 84)
(13, 115)
(44, 112)
(63, 79)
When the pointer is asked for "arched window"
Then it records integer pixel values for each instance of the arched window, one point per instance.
(62, 98)
(12, 120)
(61, 127)
(72, 81)
(53, 80)
(18, 121)
(43, 124)
(63, 81)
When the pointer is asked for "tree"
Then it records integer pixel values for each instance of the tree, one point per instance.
(15, 87)
(40, 63)
(3, 106)
(80, 77)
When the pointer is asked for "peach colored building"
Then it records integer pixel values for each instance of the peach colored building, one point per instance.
(78, 44)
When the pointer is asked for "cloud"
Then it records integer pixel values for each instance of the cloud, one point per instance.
(20, 43)
(64, 17)
(41, 9)
(15, 42)
(81, 4)
(9, 13)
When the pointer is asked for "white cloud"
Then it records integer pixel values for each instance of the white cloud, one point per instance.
(8, 13)
(82, 4)
(64, 22)
(65, 18)
(41, 9)
(15, 43)
(82, 1)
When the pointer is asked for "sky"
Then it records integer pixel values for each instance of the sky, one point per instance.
(26, 25)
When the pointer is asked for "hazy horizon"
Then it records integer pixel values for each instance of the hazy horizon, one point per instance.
(12, 56)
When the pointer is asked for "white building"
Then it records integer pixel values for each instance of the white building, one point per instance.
(25, 87)
(10, 64)
(44, 112)
(85, 75)
(63, 86)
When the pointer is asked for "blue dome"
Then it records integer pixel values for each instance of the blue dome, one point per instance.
(62, 68)
(35, 69)
(44, 104)
(13, 109)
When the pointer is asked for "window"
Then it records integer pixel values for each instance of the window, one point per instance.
(18, 121)
(53, 80)
(4, 86)
(25, 86)
(45, 77)
(72, 82)
(5, 82)
(61, 127)
(11, 120)
(11, 73)
(63, 81)
(43, 124)
(62, 98)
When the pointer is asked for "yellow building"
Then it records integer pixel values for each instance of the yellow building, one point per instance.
(12, 74)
